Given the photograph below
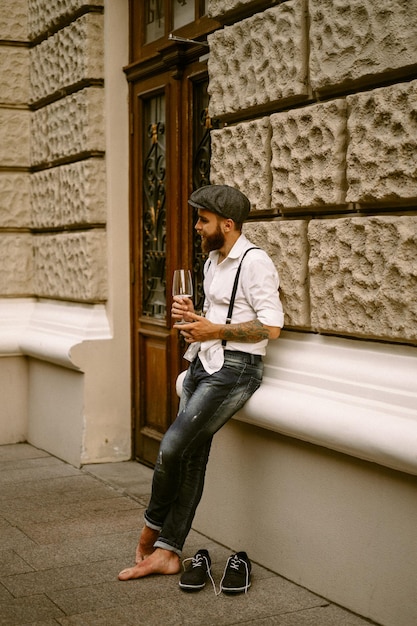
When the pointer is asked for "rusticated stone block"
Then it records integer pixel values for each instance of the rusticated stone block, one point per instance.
(286, 244)
(16, 264)
(363, 276)
(308, 156)
(14, 199)
(45, 198)
(216, 8)
(45, 15)
(71, 126)
(68, 195)
(14, 75)
(83, 192)
(71, 266)
(14, 137)
(82, 49)
(44, 68)
(73, 54)
(260, 60)
(14, 20)
(350, 41)
(382, 150)
(240, 156)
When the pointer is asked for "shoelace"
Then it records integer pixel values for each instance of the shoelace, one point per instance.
(233, 562)
(199, 561)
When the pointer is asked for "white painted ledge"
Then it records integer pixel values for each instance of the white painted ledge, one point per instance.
(354, 397)
(48, 330)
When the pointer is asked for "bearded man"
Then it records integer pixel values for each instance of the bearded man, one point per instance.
(242, 311)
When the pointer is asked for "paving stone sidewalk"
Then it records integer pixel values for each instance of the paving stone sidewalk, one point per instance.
(65, 533)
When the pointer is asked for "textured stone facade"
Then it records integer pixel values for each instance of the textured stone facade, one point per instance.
(217, 8)
(45, 15)
(69, 127)
(71, 55)
(14, 20)
(259, 60)
(317, 102)
(16, 260)
(52, 145)
(363, 274)
(317, 135)
(16, 264)
(14, 199)
(308, 156)
(14, 137)
(252, 175)
(382, 152)
(69, 195)
(71, 266)
(14, 75)
(356, 41)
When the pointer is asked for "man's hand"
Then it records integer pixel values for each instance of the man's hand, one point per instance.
(181, 308)
(199, 328)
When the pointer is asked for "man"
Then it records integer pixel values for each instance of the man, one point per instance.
(226, 369)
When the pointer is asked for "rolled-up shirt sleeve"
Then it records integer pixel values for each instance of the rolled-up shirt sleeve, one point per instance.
(260, 286)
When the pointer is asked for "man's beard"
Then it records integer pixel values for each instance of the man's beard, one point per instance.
(213, 242)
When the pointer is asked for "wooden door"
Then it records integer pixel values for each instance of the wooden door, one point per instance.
(170, 132)
(170, 157)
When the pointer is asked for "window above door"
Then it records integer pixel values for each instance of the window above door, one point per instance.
(182, 12)
(153, 21)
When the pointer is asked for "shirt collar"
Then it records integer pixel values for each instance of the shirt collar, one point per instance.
(238, 248)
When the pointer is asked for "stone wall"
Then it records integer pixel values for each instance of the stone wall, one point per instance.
(317, 102)
(52, 147)
(15, 240)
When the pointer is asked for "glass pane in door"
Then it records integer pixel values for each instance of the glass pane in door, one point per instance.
(154, 20)
(183, 12)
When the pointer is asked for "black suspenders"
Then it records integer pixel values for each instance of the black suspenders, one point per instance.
(233, 296)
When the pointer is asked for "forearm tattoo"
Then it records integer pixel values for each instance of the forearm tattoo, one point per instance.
(249, 332)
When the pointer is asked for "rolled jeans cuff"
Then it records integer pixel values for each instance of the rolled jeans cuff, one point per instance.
(160, 543)
(151, 525)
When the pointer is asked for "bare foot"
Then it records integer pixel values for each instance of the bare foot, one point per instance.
(161, 561)
(145, 547)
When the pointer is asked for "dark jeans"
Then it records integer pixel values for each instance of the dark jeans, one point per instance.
(207, 403)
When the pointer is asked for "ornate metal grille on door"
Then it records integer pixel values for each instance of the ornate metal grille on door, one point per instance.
(154, 211)
(154, 197)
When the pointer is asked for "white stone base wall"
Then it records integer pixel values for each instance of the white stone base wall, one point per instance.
(340, 527)
(14, 393)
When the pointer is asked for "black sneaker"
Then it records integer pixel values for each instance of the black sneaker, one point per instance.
(236, 577)
(194, 577)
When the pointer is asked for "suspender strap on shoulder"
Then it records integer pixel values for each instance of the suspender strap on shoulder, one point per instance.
(235, 284)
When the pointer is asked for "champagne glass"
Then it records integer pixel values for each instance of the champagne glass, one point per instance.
(182, 285)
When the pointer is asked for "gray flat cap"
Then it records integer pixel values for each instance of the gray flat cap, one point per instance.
(221, 199)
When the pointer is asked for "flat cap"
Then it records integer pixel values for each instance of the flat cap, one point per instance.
(221, 199)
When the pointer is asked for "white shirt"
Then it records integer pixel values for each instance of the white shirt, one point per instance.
(256, 298)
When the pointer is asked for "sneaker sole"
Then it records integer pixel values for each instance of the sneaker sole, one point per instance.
(191, 587)
(235, 589)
